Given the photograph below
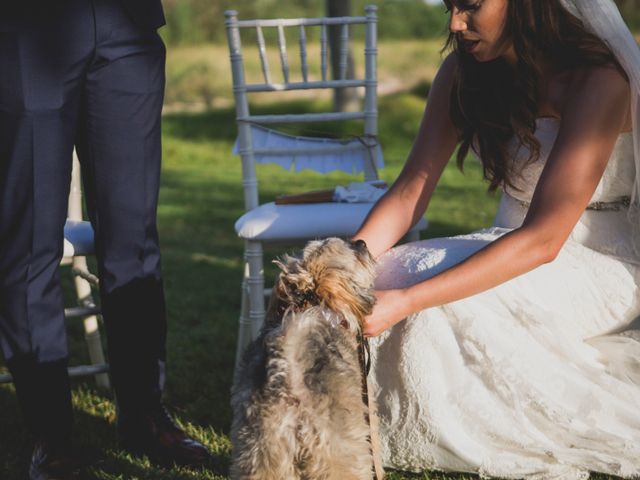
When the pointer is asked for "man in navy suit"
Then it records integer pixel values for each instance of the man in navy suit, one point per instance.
(89, 74)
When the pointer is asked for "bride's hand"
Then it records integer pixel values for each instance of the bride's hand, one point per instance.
(391, 307)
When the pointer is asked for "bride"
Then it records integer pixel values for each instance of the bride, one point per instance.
(512, 351)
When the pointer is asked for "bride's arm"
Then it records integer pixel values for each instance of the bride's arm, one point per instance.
(593, 118)
(405, 202)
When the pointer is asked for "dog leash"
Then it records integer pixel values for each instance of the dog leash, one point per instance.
(371, 417)
(364, 357)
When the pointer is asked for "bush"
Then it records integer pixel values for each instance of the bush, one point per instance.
(195, 21)
(401, 19)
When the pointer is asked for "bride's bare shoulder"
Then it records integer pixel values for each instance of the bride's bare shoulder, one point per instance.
(601, 78)
(449, 64)
(600, 90)
(445, 77)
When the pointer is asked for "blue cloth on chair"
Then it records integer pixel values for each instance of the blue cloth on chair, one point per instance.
(301, 153)
(78, 239)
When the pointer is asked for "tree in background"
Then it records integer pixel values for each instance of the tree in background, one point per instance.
(343, 98)
(202, 21)
(630, 10)
(197, 77)
(197, 21)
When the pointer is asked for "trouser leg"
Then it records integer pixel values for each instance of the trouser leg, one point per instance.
(40, 80)
(119, 149)
(44, 396)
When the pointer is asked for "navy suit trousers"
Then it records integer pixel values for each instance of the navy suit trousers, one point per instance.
(86, 75)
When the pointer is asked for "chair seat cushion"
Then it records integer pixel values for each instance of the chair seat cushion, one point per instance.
(271, 222)
(78, 238)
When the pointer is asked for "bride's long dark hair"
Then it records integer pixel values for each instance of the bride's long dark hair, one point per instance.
(494, 102)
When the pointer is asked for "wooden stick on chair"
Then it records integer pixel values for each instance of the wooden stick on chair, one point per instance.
(317, 196)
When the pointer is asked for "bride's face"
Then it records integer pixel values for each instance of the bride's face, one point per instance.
(479, 26)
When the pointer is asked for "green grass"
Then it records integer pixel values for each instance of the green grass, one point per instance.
(199, 76)
(200, 199)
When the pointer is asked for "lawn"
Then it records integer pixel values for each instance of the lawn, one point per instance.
(200, 199)
(199, 76)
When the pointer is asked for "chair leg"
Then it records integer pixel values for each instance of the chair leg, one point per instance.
(244, 324)
(256, 287)
(91, 331)
(253, 304)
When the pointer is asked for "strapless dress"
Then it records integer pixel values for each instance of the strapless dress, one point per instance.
(536, 378)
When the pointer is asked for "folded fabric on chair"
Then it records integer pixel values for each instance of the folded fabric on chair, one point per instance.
(360, 192)
(297, 152)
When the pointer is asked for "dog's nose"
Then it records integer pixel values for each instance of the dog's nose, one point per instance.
(360, 245)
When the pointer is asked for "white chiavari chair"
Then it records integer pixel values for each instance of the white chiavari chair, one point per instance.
(258, 143)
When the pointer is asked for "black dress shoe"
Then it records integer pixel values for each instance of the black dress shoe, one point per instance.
(157, 436)
(49, 463)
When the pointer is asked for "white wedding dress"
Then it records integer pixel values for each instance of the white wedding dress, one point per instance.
(536, 378)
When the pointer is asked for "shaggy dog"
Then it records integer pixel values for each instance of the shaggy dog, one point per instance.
(298, 406)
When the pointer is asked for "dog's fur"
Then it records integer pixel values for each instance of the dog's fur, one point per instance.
(298, 410)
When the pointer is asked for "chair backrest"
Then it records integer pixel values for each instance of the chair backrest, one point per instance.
(251, 145)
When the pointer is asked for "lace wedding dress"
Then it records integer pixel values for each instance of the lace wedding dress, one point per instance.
(538, 377)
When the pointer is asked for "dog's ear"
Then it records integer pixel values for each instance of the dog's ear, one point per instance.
(295, 283)
(286, 263)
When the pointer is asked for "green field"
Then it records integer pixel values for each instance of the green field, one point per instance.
(200, 199)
